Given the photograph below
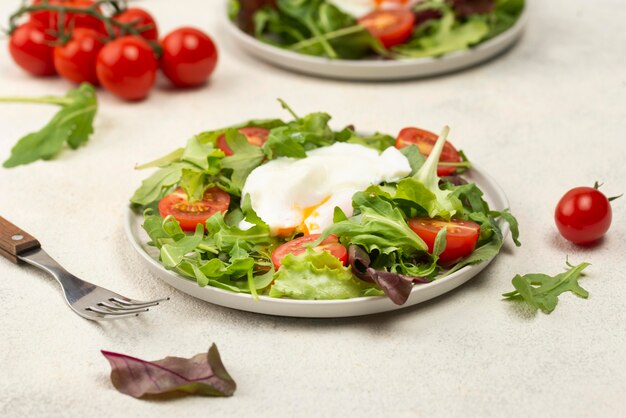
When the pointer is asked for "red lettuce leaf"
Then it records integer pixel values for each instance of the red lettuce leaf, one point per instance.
(203, 375)
(465, 8)
(396, 286)
(245, 17)
(423, 16)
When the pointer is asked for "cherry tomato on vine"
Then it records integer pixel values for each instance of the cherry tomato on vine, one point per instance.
(583, 215)
(141, 20)
(127, 67)
(189, 57)
(50, 19)
(189, 215)
(391, 26)
(425, 141)
(76, 60)
(256, 136)
(31, 48)
(299, 246)
(461, 236)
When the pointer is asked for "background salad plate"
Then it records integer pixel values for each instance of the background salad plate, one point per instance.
(494, 195)
(377, 69)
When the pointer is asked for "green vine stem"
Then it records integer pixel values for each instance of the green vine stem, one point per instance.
(110, 24)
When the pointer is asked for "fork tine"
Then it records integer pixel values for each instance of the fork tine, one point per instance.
(137, 303)
(99, 317)
(121, 308)
(112, 312)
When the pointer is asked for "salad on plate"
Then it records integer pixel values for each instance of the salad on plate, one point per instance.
(383, 29)
(295, 209)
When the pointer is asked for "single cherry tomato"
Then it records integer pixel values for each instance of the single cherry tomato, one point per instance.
(189, 215)
(299, 246)
(140, 19)
(461, 236)
(76, 60)
(255, 136)
(127, 67)
(583, 215)
(391, 26)
(31, 48)
(189, 57)
(50, 19)
(425, 141)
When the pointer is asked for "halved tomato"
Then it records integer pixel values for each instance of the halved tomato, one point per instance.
(299, 246)
(255, 136)
(425, 141)
(461, 237)
(191, 214)
(391, 26)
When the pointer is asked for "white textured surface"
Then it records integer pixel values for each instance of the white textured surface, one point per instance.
(547, 116)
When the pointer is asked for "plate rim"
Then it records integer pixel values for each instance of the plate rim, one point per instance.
(130, 219)
(514, 32)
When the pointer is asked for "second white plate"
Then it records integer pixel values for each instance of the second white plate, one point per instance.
(493, 194)
(372, 70)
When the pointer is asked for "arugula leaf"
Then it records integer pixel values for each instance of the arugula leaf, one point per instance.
(439, 202)
(379, 226)
(245, 158)
(447, 35)
(226, 237)
(154, 187)
(172, 254)
(415, 157)
(541, 291)
(72, 125)
(318, 276)
(377, 141)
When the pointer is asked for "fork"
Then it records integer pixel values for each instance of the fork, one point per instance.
(86, 299)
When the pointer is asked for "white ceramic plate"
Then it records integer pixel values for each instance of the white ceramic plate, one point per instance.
(315, 308)
(370, 70)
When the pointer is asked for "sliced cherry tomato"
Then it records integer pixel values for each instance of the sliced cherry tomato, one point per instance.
(461, 236)
(583, 215)
(189, 215)
(425, 141)
(127, 67)
(50, 19)
(140, 19)
(30, 47)
(255, 136)
(189, 57)
(391, 26)
(299, 246)
(76, 60)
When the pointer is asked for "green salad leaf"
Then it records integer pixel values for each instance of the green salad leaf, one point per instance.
(72, 126)
(541, 291)
(318, 276)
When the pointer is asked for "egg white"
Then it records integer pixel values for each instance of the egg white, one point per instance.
(290, 193)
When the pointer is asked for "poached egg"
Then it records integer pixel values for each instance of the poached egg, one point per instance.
(359, 8)
(292, 194)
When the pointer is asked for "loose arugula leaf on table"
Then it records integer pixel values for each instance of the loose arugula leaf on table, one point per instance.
(318, 276)
(541, 291)
(203, 374)
(72, 126)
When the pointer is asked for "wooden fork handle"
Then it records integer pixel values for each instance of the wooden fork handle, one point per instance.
(14, 241)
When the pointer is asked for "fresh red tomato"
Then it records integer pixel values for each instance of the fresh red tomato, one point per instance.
(256, 136)
(127, 67)
(189, 57)
(461, 236)
(189, 215)
(141, 20)
(391, 26)
(76, 60)
(299, 246)
(50, 19)
(583, 215)
(31, 49)
(425, 141)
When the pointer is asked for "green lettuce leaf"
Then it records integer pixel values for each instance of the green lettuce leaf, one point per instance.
(318, 276)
